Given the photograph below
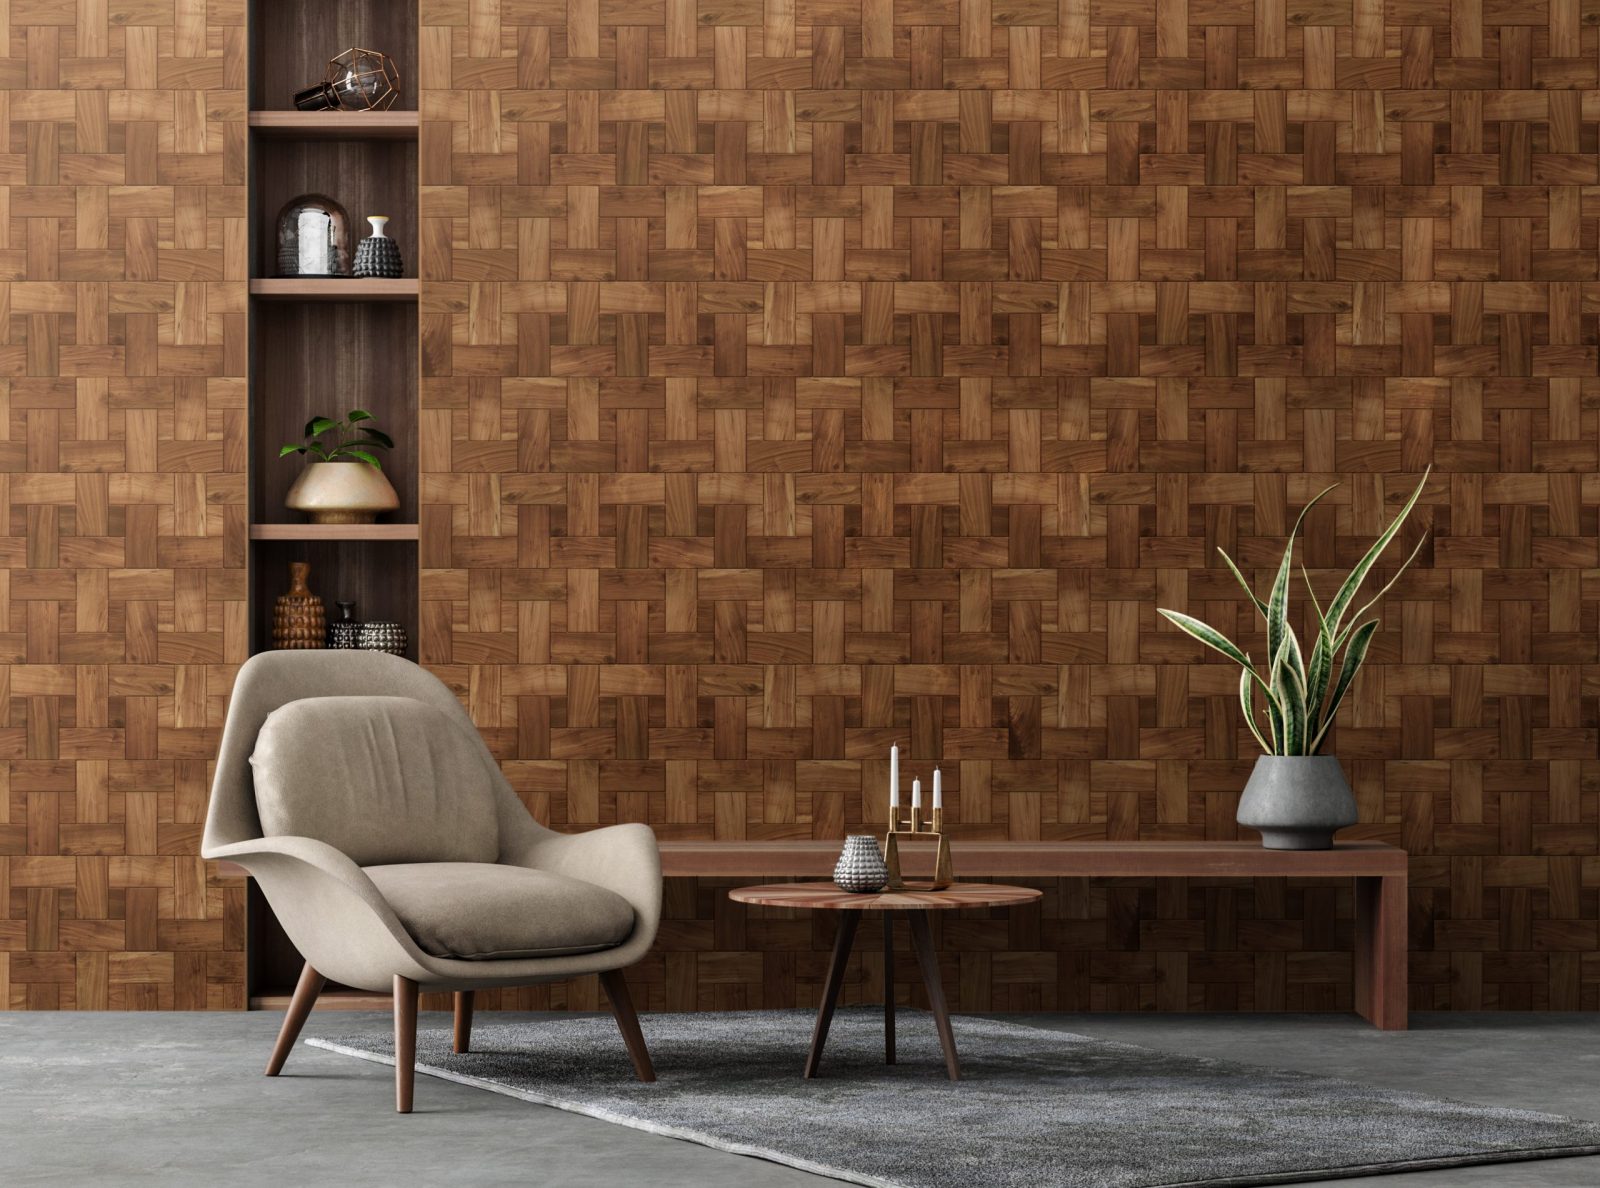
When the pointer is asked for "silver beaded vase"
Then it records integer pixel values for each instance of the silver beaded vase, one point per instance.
(383, 637)
(860, 868)
(345, 632)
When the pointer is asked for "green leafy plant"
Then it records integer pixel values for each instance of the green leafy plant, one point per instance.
(353, 440)
(1300, 694)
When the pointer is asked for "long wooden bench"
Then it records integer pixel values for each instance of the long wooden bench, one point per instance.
(1379, 872)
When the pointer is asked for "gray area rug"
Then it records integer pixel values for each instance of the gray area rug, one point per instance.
(1035, 1108)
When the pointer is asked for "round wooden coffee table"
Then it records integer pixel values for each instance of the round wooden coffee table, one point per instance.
(916, 905)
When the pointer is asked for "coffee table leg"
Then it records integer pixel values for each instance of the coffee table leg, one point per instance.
(888, 987)
(830, 990)
(928, 959)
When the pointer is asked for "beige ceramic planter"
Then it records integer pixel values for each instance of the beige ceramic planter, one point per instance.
(342, 493)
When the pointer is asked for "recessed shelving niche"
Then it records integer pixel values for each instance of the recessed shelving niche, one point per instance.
(323, 347)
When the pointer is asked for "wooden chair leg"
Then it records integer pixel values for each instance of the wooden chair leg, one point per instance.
(305, 997)
(616, 987)
(405, 1042)
(463, 1033)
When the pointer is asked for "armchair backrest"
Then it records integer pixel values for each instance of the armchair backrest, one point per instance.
(380, 779)
(273, 680)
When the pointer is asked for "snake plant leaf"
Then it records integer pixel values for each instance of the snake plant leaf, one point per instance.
(1354, 657)
(1311, 593)
(1234, 569)
(1295, 657)
(1215, 640)
(1347, 592)
(1317, 674)
(1387, 586)
(1206, 634)
(1278, 603)
(1275, 727)
(1289, 686)
(1248, 707)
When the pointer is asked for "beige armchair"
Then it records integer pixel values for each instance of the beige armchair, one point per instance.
(356, 791)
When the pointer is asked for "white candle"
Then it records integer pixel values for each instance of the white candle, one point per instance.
(938, 790)
(894, 777)
(315, 229)
(916, 794)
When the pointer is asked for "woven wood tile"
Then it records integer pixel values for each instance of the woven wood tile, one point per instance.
(802, 378)
(122, 447)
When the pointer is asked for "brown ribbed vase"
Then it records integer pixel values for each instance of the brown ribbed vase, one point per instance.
(298, 617)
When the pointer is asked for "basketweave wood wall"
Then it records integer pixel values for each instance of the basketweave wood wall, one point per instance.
(799, 378)
(122, 475)
(805, 376)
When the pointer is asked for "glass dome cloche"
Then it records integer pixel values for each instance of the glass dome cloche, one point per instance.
(313, 237)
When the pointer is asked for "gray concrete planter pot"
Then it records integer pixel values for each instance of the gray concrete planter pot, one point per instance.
(1298, 802)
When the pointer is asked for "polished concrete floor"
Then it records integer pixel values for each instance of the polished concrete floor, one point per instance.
(178, 1099)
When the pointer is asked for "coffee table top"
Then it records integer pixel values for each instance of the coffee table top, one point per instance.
(827, 896)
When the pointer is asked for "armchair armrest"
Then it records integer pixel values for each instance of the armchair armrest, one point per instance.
(331, 910)
(307, 850)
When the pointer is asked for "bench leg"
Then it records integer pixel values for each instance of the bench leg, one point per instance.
(1380, 955)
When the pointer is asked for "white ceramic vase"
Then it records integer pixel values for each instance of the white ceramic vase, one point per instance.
(342, 493)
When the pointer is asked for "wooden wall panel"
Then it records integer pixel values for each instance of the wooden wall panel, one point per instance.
(122, 485)
(803, 378)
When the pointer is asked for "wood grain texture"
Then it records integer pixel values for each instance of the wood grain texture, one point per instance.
(122, 479)
(802, 379)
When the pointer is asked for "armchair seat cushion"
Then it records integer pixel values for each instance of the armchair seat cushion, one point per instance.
(478, 911)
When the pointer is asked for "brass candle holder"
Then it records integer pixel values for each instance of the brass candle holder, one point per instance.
(909, 823)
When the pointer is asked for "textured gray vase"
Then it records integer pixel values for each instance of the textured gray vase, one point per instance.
(860, 868)
(1298, 802)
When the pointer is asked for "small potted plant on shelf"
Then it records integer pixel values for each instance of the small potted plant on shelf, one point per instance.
(345, 484)
(1297, 797)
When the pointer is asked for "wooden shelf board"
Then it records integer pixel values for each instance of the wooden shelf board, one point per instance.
(333, 532)
(334, 125)
(295, 289)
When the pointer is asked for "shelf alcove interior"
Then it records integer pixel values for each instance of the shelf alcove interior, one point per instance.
(366, 177)
(292, 40)
(324, 359)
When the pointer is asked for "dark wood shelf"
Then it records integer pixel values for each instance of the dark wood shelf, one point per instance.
(333, 532)
(276, 999)
(334, 125)
(296, 289)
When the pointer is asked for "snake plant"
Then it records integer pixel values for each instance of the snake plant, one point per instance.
(1296, 689)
